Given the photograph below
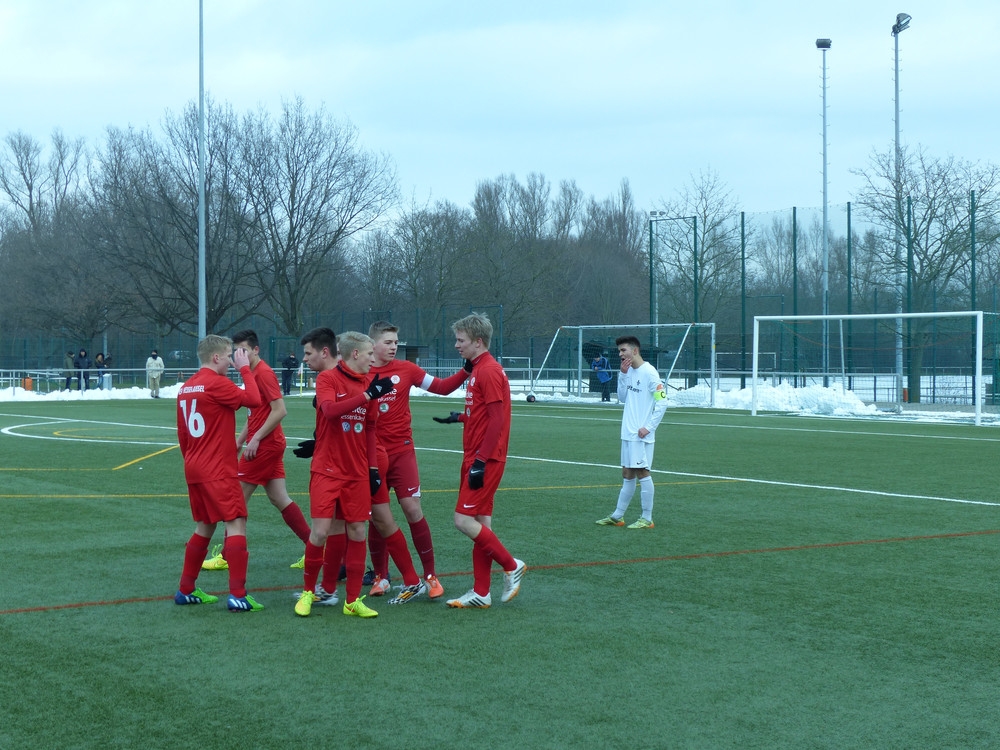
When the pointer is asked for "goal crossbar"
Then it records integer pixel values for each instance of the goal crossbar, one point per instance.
(713, 377)
(977, 315)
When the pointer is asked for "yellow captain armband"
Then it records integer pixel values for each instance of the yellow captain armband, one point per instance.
(660, 392)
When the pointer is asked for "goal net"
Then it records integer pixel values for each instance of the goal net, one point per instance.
(900, 362)
(683, 354)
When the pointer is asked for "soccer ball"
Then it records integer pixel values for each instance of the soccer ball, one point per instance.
(531, 398)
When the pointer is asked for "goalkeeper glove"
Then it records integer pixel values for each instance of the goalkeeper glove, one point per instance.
(374, 480)
(467, 366)
(305, 449)
(477, 474)
(379, 387)
(450, 419)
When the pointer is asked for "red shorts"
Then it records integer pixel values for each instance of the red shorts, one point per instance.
(402, 476)
(479, 502)
(330, 497)
(268, 464)
(216, 501)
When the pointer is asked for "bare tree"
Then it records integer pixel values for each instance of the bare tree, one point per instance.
(144, 214)
(934, 220)
(310, 187)
(713, 268)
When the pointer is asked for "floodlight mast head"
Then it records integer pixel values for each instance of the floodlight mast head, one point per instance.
(823, 44)
(902, 23)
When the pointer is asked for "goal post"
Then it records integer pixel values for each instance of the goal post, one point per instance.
(673, 349)
(965, 354)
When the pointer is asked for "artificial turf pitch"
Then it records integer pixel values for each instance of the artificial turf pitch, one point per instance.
(809, 583)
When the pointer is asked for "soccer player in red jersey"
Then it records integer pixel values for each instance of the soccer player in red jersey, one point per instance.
(395, 434)
(206, 421)
(486, 422)
(263, 443)
(344, 470)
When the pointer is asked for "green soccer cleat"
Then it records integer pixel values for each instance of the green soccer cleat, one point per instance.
(610, 521)
(358, 608)
(305, 603)
(243, 604)
(195, 597)
(300, 563)
(641, 523)
(215, 561)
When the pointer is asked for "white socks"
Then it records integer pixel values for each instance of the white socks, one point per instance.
(625, 497)
(646, 497)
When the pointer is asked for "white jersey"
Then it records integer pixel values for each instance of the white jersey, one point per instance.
(645, 399)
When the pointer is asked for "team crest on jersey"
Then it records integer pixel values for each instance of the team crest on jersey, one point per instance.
(358, 427)
(394, 379)
(345, 426)
(472, 380)
(383, 407)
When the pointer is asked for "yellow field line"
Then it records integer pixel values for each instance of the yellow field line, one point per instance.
(143, 458)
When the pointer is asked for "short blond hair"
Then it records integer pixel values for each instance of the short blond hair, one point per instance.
(213, 344)
(475, 326)
(348, 341)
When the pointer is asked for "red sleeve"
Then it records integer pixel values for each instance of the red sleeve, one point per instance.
(444, 386)
(494, 426)
(336, 409)
(251, 393)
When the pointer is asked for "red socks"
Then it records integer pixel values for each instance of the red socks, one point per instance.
(235, 552)
(420, 533)
(195, 552)
(313, 563)
(354, 561)
(400, 554)
(293, 518)
(378, 551)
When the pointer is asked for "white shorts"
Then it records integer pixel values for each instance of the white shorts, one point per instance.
(637, 454)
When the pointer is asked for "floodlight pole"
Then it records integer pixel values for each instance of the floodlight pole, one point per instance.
(823, 45)
(202, 284)
(902, 23)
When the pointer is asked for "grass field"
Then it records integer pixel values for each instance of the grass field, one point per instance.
(810, 583)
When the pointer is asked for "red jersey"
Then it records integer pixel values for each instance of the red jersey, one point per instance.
(267, 383)
(206, 423)
(487, 385)
(395, 428)
(345, 429)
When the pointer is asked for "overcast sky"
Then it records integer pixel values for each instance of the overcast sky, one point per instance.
(459, 92)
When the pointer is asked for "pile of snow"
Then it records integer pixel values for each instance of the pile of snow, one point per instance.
(833, 401)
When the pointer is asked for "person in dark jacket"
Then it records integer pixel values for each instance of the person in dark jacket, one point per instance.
(82, 364)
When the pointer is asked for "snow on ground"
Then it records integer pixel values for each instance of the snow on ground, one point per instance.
(810, 400)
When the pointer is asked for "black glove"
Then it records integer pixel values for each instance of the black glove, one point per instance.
(305, 449)
(379, 387)
(374, 480)
(477, 474)
(467, 366)
(450, 419)
(314, 402)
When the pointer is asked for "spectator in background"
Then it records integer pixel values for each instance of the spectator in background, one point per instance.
(602, 367)
(69, 369)
(154, 371)
(291, 364)
(100, 366)
(82, 364)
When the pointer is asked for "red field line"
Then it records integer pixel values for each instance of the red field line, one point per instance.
(559, 566)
